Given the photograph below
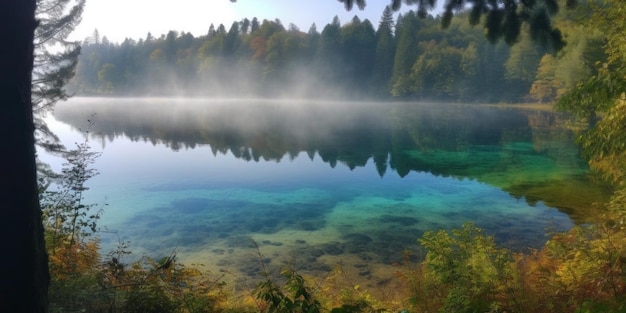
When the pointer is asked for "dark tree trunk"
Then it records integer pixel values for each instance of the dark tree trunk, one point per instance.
(24, 274)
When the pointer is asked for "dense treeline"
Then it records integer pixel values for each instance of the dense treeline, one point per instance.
(410, 57)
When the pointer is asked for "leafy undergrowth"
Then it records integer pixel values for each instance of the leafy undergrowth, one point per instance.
(463, 271)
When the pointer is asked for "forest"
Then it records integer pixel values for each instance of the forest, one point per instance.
(462, 270)
(407, 58)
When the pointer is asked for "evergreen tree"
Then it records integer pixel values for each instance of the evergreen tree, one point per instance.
(231, 44)
(254, 25)
(211, 32)
(245, 26)
(358, 51)
(406, 53)
(55, 61)
(312, 40)
(327, 58)
(313, 37)
(386, 21)
(385, 51)
(170, 46)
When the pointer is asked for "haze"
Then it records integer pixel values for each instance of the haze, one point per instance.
(118, 19)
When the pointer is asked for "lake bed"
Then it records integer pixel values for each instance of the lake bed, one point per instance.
(321, 184)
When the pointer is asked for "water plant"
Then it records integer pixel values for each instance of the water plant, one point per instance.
(292, 297)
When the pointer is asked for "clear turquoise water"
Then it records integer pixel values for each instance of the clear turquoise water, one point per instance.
(322, 183)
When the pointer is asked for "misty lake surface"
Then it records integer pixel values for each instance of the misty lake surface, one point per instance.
(317, 183)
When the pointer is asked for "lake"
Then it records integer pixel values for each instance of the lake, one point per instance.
(321, 183)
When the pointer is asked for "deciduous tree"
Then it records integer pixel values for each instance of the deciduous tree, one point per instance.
(605, 142)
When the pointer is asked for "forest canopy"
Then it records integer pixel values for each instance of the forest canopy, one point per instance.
(410, 58)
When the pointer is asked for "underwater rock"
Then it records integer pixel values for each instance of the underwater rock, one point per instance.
(272, 243)
(309, 254)
(358, 239)
(322, 267)
(253, 272)
(307, 226)
(316, 266)
(366, 257)
(148, 220)
(383, 282)
(191, 205)
(356, 243)
(240, 242)
(354, 249)
(255, 227)
(402, 220)
(315, 252)
(332, 249)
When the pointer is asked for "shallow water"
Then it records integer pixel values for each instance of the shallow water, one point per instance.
(322, 183)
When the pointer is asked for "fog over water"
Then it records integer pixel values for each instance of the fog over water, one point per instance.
(324, 182)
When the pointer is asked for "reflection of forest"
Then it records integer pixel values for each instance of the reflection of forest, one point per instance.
(527, 153)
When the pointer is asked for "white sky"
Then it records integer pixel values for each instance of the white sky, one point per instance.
(120, 19)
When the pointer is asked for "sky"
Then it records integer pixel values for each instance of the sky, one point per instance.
(120, 19)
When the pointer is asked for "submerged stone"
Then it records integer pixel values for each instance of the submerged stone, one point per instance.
(402, 220)
(357, 239)
(332, 249)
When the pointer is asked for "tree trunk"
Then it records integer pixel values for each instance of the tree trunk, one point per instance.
(24, 274)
